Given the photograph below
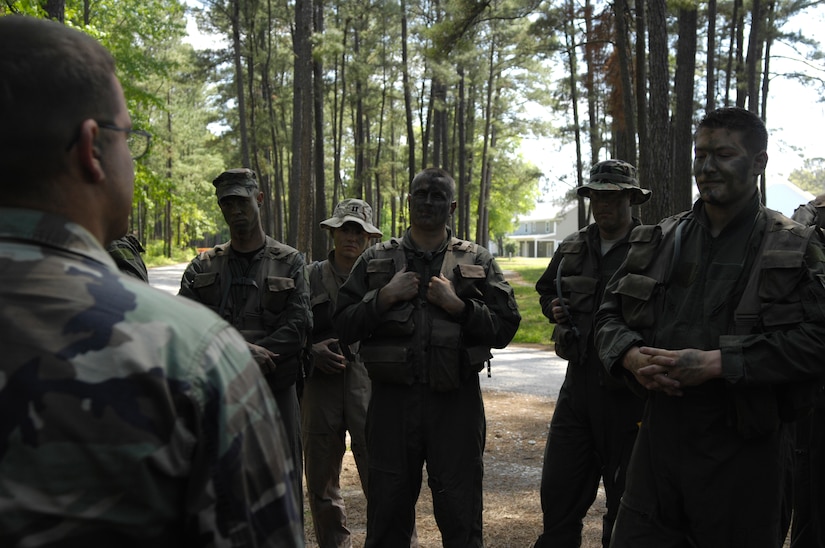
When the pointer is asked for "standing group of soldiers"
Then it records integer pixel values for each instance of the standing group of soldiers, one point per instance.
(133, 418)
(394, 335)
(715, 317)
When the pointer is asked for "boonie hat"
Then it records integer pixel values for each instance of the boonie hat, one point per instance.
(615, 175)
(353, 210)
(236, 182)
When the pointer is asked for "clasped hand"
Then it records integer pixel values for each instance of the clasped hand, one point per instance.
(669, 371)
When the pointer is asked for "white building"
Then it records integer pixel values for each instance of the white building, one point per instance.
(542, 230)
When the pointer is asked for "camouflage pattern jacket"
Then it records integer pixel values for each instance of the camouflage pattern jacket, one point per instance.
(129, 417)
(265, 297)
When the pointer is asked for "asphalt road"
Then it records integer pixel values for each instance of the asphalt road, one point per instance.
(520, 369)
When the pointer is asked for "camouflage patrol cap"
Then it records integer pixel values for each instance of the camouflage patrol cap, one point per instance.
(236, 182)
(355, 211)
(615, 175)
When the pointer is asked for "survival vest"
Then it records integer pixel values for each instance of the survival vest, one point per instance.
(579, 279)
(768, 302)
(420, 342)
(268, 290)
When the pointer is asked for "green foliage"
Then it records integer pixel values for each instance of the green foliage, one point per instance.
(155, 255)
(811, 177)
(534, 328)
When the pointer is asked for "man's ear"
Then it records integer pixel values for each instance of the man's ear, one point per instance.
(452, 206)
(760, 161)
(88, 151)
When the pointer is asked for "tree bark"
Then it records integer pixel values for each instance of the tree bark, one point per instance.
(661, 202)
(710, 76)
(302, 224)
(626, 147)
(408, 112)
(235, 21)
(683, 119)
(753, 60)
(320, 238)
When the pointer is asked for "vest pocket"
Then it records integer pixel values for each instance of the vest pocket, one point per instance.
(207, 288)
(574, 253)
(389, 364)
(468, 280)
(396, 322)
(580, 290)
(636, 295)
(380, 272)
(277, 291)
(445, 357)
(644, 245)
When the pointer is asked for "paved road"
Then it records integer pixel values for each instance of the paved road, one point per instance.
(517, 368)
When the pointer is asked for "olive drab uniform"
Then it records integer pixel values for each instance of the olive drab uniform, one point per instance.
(596, 418)
(715, 458)
(331, 406)
(426, 401)
(808, 527)
(264, 295)
(387, 352)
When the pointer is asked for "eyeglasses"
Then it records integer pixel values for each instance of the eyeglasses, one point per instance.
(136, 139)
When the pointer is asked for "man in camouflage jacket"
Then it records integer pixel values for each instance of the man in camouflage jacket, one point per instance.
(127, 417)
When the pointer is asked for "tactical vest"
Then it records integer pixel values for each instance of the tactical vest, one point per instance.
(420, 342)
(268, 290)
(769, 302)
(577, 280)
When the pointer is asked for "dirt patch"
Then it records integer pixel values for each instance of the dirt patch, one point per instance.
(514, 278)
(516, 432)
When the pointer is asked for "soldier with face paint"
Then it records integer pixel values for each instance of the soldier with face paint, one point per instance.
(337, 389)
(719, 314)
(257, 284)
(426, 307)
(596, 418)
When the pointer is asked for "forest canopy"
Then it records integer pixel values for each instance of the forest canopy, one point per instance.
(333, 99)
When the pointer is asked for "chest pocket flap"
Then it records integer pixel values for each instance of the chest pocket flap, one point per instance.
(204, 279)
(380, 272)
(573, 252)
(277, 292)
(581, 290)
(636, 293)
(644, 244)
(468, 280)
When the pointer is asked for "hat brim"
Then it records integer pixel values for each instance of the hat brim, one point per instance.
(337, 222)
(638, 196)
(236, 190)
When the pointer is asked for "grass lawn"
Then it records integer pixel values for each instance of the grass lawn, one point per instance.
(534, 328)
